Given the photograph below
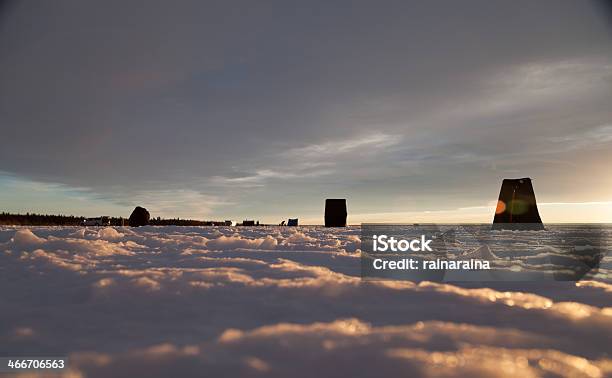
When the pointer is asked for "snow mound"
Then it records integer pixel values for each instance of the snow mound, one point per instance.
(109, 233)
(26, 237)
(235, 242)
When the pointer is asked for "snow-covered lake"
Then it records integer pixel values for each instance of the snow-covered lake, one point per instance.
(223, 301)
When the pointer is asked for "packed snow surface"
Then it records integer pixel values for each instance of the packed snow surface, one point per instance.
(271, 301)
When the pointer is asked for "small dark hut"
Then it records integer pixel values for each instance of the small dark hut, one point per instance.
(292, 222)
(335, 212)
(517, 208)
(140, 217)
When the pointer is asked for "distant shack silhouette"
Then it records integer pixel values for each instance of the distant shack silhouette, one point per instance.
(335, 212)
(292, 222)
(139, 217)
(517, 208)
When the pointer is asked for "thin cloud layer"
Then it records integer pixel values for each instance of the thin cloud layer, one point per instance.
(245, 110)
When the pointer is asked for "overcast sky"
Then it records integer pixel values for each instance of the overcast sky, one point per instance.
(262, 109)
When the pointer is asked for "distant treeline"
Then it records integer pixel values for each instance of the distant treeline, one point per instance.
(29, 219)
(39, 220)
(181, 222)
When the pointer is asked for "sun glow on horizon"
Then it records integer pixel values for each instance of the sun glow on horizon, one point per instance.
(20, 196)
(550, 212)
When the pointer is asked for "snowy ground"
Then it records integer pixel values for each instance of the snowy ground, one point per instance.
(189, 301)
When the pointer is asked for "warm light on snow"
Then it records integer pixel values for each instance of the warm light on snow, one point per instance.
(230, 301)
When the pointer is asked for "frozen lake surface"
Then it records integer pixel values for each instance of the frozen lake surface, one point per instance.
(223, 301)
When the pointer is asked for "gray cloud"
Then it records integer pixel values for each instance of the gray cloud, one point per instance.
(258, 105)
